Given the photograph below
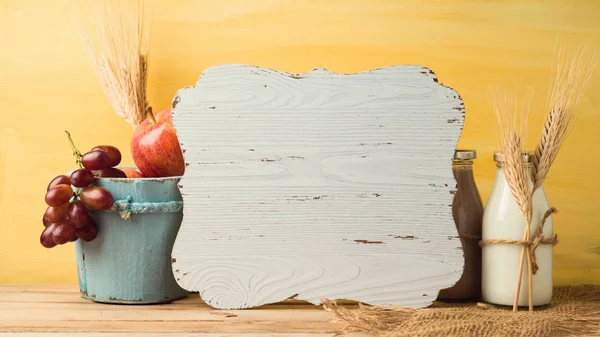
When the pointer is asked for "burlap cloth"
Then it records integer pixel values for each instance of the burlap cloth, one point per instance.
(574, 311)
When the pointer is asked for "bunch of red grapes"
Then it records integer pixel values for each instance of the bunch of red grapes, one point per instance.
(70, 199)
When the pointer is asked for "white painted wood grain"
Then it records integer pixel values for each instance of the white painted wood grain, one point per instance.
(317, 185)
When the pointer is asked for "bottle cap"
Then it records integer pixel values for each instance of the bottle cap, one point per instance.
(526, 157)
(465, 154)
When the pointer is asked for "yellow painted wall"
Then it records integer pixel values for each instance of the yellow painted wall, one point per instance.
(47, 86)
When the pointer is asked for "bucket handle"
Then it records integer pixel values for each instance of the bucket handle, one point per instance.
(126, 207)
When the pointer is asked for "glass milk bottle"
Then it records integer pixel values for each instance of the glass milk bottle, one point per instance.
(502, 219)
(467, 210)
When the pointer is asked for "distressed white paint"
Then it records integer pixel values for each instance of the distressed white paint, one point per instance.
(317, 185)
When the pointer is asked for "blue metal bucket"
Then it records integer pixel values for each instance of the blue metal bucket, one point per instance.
(129, 262)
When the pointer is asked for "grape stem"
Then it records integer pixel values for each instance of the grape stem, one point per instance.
(76, 152)
(77, 156)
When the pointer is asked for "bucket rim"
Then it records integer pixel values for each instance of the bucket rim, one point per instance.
(149, 179)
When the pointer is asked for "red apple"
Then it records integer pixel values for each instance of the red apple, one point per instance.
(132, 173)
(155, 146)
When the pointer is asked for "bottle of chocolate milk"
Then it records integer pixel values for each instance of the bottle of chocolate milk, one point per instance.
(467, 210)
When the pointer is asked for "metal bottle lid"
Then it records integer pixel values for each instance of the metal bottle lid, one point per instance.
(526, 157)
(465, 154)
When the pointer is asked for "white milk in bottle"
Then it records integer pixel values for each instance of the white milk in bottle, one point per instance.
(502, 219)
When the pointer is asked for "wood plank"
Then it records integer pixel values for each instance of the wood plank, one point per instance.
(55, 294)
(317, 185)
(14, 312)
(162, 334)
(60, 309)
(264, 326)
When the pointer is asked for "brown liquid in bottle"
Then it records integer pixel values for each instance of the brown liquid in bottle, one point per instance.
(467, 210)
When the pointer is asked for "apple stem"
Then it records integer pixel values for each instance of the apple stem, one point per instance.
(76, 152)
(150, 114)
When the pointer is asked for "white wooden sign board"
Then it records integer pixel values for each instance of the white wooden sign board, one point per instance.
(317, 185)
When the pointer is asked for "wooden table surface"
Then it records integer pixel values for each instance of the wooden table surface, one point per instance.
(37, 310)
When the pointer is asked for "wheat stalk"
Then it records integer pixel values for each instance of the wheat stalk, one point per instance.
(118, 43)
(571, 77)
(511, 122)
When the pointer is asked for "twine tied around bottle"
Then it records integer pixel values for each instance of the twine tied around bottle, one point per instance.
(536, 240)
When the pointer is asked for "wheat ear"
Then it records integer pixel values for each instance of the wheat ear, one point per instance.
(511, 120)
(514, 172)
(571, 76)
(118, 44)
